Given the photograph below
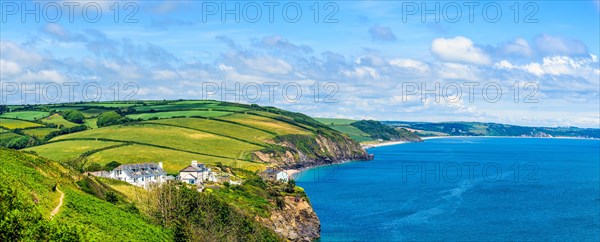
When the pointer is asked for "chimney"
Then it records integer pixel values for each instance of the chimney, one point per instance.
(194, 163)
(160, 165)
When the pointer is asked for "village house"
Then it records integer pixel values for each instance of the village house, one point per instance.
(274, 175)
(196, 173)
(141, 175)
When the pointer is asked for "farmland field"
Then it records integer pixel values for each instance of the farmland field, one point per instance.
(173, 161)
(92, 112)
(17, 124)
(172, 137)
(91, 122)
(353, 132)
(26, 115)
(234, 130)
(335, 121)
(39, 132)
(58, 120)
(162, 115)
(271, 125)
(66, 150)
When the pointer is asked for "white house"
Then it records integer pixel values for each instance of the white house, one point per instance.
(274, 175)
(141, 175)
(196, 173)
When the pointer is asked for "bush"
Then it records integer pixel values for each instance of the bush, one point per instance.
(65, 131)
(73, 116)
(110, 118)
(94, 167)
(111, 197)
(111, 165)
(291, 184)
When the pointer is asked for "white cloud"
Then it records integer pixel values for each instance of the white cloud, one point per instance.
(519, 47)
(410, 64)
(459, 49)
(552, 45)
(8, 68)
(556, 65)
(455, 71)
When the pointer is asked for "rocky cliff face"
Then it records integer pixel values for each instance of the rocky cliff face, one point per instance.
(296, 221)
(307, 151)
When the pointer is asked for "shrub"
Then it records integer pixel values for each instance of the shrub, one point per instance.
(111, 165)
(110, 118)
(94, 167)
(73, 116)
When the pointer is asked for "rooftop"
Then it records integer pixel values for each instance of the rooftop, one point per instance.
(144, 169)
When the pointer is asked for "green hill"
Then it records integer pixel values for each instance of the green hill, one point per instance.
(369, 130)
(234, 139)
(175, 132)
(44, 200)
(493, 129)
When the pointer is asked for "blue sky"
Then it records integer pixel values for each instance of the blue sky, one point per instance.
(369, 52)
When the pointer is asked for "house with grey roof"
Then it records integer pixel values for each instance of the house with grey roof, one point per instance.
(274, 175)
(196, 174)
(141, 175)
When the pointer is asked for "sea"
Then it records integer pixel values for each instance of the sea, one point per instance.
(462, 189)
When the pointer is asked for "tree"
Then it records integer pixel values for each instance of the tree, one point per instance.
(94, 167)
(73, 116)
(291, 184)
(3, 109)
(110, 118)
(111, 165)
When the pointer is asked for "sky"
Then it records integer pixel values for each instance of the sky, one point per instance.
(518, 62)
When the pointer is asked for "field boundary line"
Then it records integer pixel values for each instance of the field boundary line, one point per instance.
(209, 132)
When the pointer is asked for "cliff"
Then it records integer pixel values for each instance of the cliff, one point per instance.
(296, 221)
(300, 151)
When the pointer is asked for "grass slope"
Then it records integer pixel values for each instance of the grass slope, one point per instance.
(17, 124)
(171, 137)
(67, 150)
(26, 115)
(98, 220)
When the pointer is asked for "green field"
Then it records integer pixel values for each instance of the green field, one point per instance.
(93, 112)
(269, 124)
(91, 122)
(173, 161)
(26, 115)
(67, 150)
(172, 137)
(17, 124)
(58, 120)
(353, 132)
(163, 115)
(234, 130)
(39, 133)
(335, 121)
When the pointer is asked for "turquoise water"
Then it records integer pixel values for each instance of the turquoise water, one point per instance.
(462, 189)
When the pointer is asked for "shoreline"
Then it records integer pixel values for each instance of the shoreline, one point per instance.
(520, 137)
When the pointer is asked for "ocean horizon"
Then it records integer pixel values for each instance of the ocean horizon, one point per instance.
(468, 188)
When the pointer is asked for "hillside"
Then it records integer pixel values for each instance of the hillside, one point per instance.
(45, 200)
(493, 129)
(369, 130)
(243, 136)
(234, 139)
